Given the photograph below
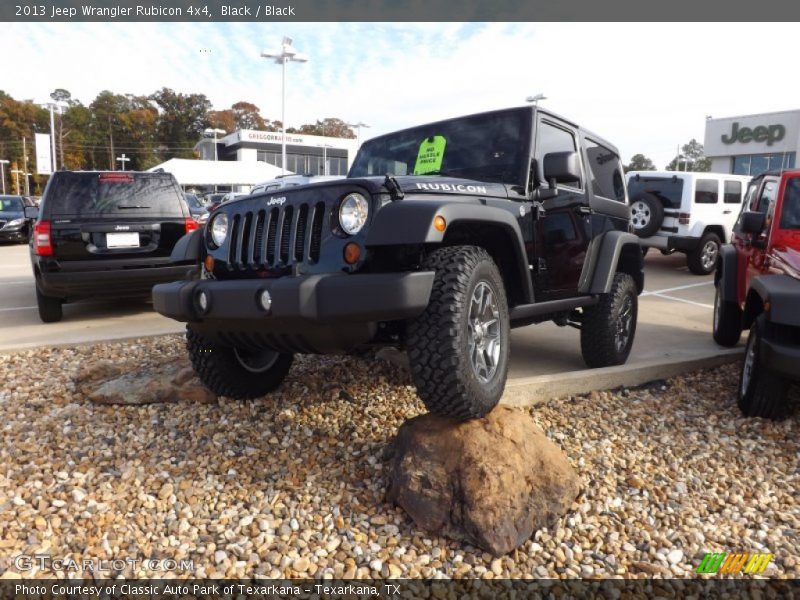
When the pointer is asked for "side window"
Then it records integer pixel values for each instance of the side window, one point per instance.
(554, 139)
(706, 191)
(606, 171)
(766, 199)
(790, 217)
(733, 192)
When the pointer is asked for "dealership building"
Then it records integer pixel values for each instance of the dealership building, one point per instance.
(752, 144)
(314, 154)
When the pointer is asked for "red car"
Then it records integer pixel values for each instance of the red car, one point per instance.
(758, 288)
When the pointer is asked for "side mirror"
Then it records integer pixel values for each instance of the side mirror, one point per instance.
(31, 212)
(753, 222)
(561, 167)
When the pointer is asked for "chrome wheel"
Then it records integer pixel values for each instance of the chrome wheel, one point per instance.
(256, 362)
(708, 256)
(640, 215)
(484, 334)
(749, 364)
(624, 325)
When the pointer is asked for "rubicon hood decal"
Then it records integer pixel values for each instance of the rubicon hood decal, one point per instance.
(453, 187)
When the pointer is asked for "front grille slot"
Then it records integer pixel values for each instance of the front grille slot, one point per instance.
(276, 238)
(286, 233)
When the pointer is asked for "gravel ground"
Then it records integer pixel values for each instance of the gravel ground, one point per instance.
(293, 485)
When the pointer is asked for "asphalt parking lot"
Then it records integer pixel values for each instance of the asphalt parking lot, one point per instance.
(674, 319)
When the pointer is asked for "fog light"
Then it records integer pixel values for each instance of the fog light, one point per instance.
(202, 301)
(265, 300)
(352, 252)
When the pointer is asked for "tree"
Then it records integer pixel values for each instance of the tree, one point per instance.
(181, 120)
(247, 116)
(691, 158)
(331, 127)
(639, 162)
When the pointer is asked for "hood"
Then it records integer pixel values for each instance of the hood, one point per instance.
(788, 256)
(8, 215)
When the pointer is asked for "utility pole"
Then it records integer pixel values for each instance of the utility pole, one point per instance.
(25, 165)
(15, 173)
(111, 139)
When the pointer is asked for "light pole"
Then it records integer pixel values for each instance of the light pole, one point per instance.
(358, 127)
(2, 173)
(214, 132)
(287, 54)
(535, 99)
(324, 157)
(123, 159)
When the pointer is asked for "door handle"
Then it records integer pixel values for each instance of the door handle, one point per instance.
(583, 209)
(726, 212)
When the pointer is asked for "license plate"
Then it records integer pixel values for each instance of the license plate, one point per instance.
(122, 240)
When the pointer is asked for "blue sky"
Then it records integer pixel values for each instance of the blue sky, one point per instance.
(645, 87)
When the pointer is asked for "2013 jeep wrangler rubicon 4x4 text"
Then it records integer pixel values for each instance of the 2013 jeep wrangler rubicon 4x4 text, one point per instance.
(441, 239)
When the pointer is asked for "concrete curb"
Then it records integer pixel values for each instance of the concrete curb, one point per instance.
(528, 391)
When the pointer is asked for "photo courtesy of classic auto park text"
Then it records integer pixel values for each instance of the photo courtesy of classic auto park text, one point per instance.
(394, 302)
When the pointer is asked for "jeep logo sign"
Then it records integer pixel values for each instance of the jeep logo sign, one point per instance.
(273, 201)
(769, 134)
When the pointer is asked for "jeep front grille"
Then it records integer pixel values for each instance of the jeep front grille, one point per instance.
(277, 237)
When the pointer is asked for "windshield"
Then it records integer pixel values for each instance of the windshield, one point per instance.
(11, 204)
(490, 147)
(114, 195)
(668, 189)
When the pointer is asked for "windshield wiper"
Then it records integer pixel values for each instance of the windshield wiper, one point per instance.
(449, 174)
(132, 206)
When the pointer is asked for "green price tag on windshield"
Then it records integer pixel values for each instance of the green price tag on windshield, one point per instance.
(430, 155)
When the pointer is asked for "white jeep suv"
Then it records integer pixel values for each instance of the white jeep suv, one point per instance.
(688, 212)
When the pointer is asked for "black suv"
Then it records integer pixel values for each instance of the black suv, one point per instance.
(441, 239)
(106, 234)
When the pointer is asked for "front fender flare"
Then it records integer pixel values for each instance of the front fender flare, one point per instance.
(187, 249)
(782, 294)
(726, 274)
(411, 222)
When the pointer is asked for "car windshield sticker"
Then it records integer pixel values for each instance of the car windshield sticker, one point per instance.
(430, 155)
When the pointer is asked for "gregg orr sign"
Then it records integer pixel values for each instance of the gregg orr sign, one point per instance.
(761, 133)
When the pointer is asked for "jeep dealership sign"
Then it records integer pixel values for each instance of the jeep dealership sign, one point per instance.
(753, 134)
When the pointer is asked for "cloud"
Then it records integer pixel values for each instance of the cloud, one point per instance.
(645, 87)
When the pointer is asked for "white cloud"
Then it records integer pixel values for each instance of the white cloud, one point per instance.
(645, 87)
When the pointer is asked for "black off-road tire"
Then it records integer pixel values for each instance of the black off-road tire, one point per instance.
(764, 393)
(727, 321)
(647, 221)
(438, 340)
(50, 308)
(695, 259)
(600, 324)
(221, 370)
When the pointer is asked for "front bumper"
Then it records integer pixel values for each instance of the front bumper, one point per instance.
(13, 235)
(321, 313)
(780, 358)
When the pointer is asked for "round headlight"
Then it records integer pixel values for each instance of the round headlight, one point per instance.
(353, 213)
(219, 229)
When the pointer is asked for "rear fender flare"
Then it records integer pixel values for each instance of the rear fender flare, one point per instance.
(604, 257)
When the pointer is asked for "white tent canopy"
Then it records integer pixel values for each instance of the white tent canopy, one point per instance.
(191, 172)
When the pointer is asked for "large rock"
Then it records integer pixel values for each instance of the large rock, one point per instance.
(108, 383)
(491, 481)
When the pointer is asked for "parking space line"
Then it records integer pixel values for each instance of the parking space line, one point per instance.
(17, 308)
(666, 297)
(677, 289)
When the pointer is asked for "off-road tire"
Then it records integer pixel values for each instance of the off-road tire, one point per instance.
(438, 339)
(221, 371)
(50, 308)
(694, 259)
(599, 324)
(765, 393)
(653, 214)
(727, 321)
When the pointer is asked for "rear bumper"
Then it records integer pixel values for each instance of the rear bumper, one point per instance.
(671, 243)
(117, 283)
(782, 359)
(313, 313)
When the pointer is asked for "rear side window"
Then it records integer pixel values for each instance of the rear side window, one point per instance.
(733, 192)
(606, 170)
(667, 189)
(706, 191)
(114, 195)
(790, 218)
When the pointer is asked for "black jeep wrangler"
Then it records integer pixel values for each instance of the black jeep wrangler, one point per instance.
(441, 239)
